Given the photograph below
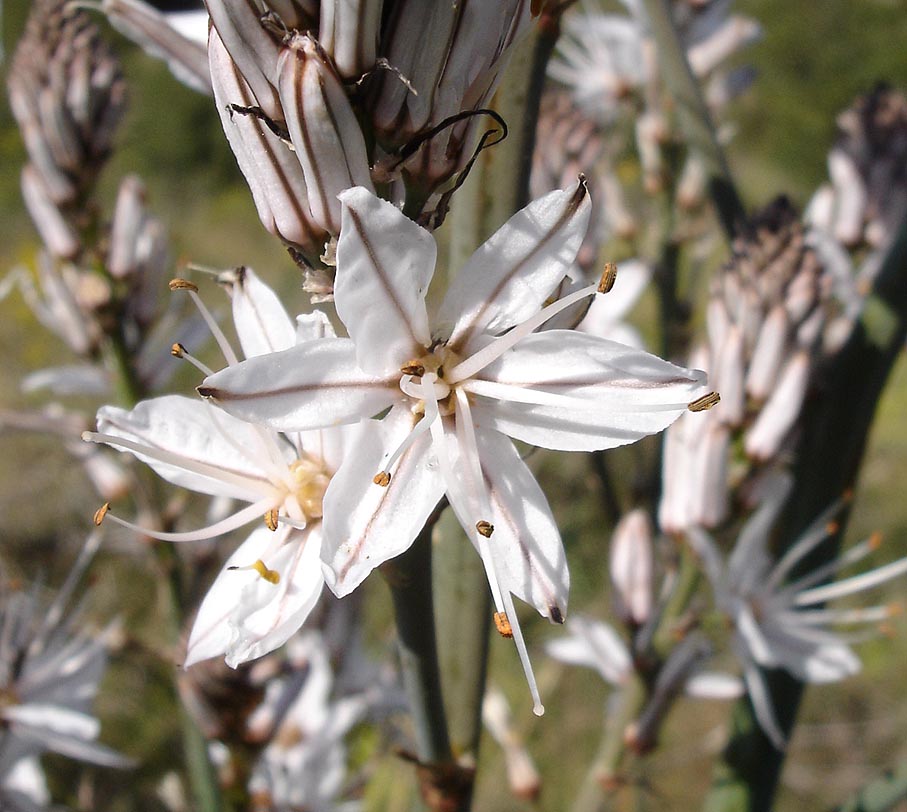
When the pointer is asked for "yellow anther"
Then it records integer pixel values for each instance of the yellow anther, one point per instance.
(875, 540)
(177, 350)
(609, 276)
(271, 576)
(182, 284)
(414, 367)
(831, 528)
(704, 403)
(100, 513)
(485, 528)
(271, 520)
(894, 609)
(382, 478)
(502, 624)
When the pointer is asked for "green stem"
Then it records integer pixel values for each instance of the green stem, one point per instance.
(843, 410)
(409, 578)
(693, 114)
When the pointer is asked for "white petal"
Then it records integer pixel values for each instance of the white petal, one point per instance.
(762, 705)
(313, 325)
(265, 616)
(262, 323)
(210, 635)
(366, 524)
(510, 276)
(184, 430)
(311, 385)
(54, 718)
(714, 685)
(384, 265)
(526, 546)
(811, 661)
(594, 644)
(613, 394)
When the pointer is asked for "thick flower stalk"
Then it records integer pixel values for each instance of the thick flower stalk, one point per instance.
(457, 389)
(779, 613)
(271, 582)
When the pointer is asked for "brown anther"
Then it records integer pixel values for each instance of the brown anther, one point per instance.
(382, 478)
(177, 350)
(414, 367)
(502, 624)
(831, 528)
(271, 519)
(887, 630)
(182, 284)
(100, 513)
(485, 528)
(609, 276)
(875, 540)
(894, 609)
(704, 403)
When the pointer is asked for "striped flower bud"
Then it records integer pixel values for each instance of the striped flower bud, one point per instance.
(323, 128)
(631, 567)
(348, 32)
(271, 169)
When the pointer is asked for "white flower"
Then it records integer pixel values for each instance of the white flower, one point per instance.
(270, 584)
(304, 766)
(456, 393)
(776, 624)
(49, 676)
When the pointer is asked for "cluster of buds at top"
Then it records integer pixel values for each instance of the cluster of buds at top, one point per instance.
(771, 319)
(318, 97)
(67, 95)
(866, 199)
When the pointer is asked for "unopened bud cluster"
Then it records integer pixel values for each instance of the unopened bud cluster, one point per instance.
(67, 95)
(316, 98)
(771, 317)
(866, 198)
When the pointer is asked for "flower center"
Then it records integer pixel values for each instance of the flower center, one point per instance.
(435, 361)
(306, 484)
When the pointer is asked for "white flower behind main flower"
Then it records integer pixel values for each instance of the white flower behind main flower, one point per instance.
(270, 584)
(781, 624)
(458, 389)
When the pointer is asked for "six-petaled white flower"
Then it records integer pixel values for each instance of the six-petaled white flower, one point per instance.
(780, 624)
(457, 391)
(270, 584)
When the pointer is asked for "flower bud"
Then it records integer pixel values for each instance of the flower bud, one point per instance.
(271, 169)
(522, 775)
(153, 32)
(631, 569)
(56, 232)
(348, 32)
(128, 221)
(779, 414)
(323, 128)
(253, 49)
(768, 354)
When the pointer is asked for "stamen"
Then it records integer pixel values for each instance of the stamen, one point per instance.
(213, 326)
(537, 707)
(100, 513)
(238, 519)
(491, 352)
(182, 284)
(271, 576)
(541, 397)
(858, 583)
(271, 519)
(414, 368)
(502, 624)
(609, 277)
(179, 351)
(704, 403)
(383, 477)
(851, 556)
(485, 528)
